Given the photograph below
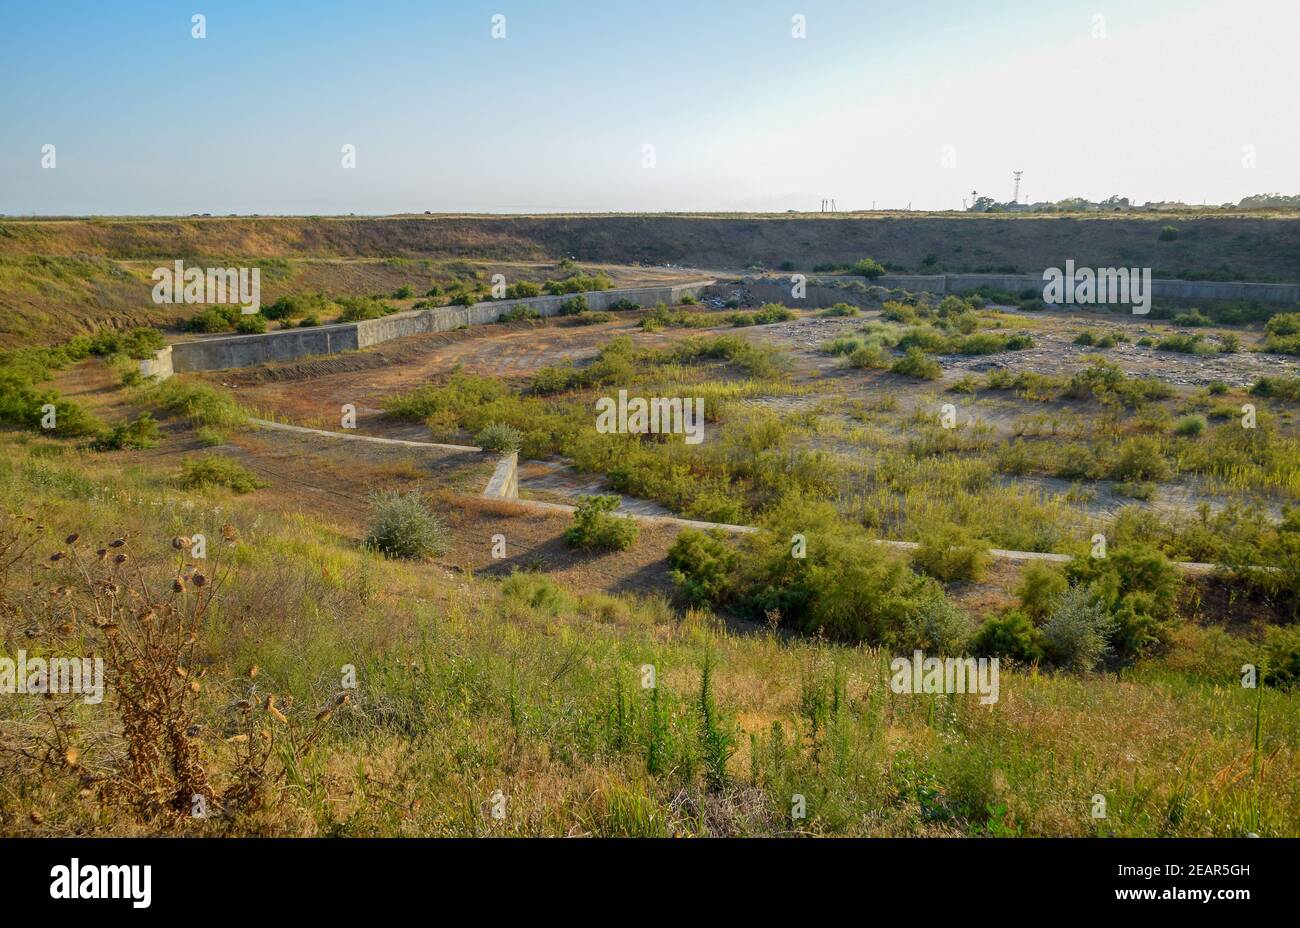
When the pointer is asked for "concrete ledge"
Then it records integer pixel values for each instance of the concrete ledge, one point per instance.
(282, 427)
(505, 479)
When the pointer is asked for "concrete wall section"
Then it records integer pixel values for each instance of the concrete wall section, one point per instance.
(1016, 283)
(505, 479)
(288, 344)
(160, 365)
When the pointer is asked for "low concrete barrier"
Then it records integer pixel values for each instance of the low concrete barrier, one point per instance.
(505, 479)
(160, 365)
(288, 344)
(1161, 288)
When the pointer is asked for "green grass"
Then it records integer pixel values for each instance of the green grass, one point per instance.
(468, 685)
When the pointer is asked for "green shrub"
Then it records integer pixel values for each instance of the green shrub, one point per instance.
(212, 470)
(1190, 426)
(209, 437)
(703, 564)
(936, 626)
(200, 403)
(1041, 584)
(1283, 324)
(1185, 343)
(916, 363)
(574, 306)
(1282, 657)
(841, 346)
(1011, 636)
(1076, 635)
(1138, 587)
(402, 527)
(520, 314)
(1140, 459)
(293, 305)
(216, 318)
(254, 324)
(500, 438)
(950, 552)
(360, 308)
(1217, 388)
(1284, 388)
(869, 269)
(524, 289)
(869, 356)
(624, 304)
(840, 310)
(141, 433)
(1167, 234)
(595, 528)
(846, 586)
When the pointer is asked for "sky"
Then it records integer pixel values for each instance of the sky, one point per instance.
(629, 105)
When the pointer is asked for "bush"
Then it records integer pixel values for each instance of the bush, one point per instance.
(574, 306)
(1140, 458)
(500, 438)
(142, 433)
(950, 552)
(211, 470)
(703, 564)
(869, 269)
(402, 527)
(523, 289)
(1076, 634)
(519, 314)
(1011, 636)
(200, 403)
(1041, 584)
(846, 586)
(254, 324)
(1190, 426)
(839, 310)
(1283, 388)
(936, 626)
(595, 528)
(623, 305)
(216, 318)
(868, 356)
(916, 363)
(360, 308)
(1167, 234)
(1282, 657)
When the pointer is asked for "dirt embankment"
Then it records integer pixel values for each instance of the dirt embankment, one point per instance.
(1255, 248)
(61, 277)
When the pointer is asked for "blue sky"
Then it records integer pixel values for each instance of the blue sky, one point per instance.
(146, 119)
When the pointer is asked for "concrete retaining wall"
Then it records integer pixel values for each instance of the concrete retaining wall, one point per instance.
(160, 365)
(287, 344)
(1160, 288)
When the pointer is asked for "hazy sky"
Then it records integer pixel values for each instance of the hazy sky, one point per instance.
(146, 119)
